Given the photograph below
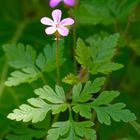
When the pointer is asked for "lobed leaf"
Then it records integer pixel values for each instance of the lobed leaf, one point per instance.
(20, 132)
(27, 75)
(38, 108)
(57, 96)
(70, 79)
(30, 67)
(83, 109)
(105, 98)
(86, 16)
(83, 53)
(79, 95)
(106, 68)
(97, 58)
(46, 61)
(115, 111)
(28, 113)
(20, 56)
(71, 130)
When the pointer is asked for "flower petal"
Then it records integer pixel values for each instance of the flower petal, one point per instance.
(50, 30)
(54, 3)
(56, 14)
(63, 31)
(69, 2)
(46, 21)
(67, 22)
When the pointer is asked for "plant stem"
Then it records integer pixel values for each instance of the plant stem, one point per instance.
(70, 113)
(43, 79)
(93, 116)
(136, 126)
(57, 71)
(3, 77)
(56, 117)
(57, 60)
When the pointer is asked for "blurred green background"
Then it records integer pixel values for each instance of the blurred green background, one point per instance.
(20, 22)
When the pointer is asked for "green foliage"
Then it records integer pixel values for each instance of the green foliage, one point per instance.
(48, 93)
(31, 66)
(85, 14)
(71, 130)
(114, 111)
(85, 94)
(82, 103)
(26, 75)
(106, 97)
(105, 12)
(38, 108)
(27, 112)
(20, 56)
(83, 53)
(84, 98)
(71, 79)
(46, 61)
(98, 57)
(20, 132)
(83, 109)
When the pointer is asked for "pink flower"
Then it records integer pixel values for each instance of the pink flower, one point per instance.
(54, 3)
(56, 24)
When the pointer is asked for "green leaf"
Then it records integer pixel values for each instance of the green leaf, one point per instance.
(57, 96)
(83, 129)
(79, 95)
(59, 129)
(103, 51)
(83, 109)
(70, 79)
(20, 132)
(71, 130)
(83, 53)
(97, 58)
(38, 108)
(103, 48)
(20, 56)
(24, 58)
(46, 61)
(101, 14)
(115, 111)
(105, 12)
(121, 9)
(106, 97)
(27, 75)
(58, 108)
(106, 68)
(27, 113)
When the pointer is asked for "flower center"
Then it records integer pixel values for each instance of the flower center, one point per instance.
(57, 25)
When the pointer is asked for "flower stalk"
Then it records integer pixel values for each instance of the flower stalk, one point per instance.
(57, 59)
